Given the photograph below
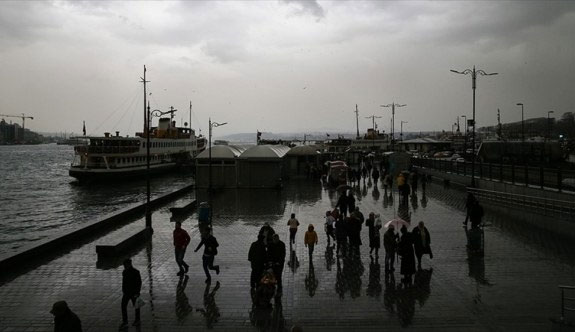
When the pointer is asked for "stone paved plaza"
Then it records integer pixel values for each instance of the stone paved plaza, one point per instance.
(514, 288)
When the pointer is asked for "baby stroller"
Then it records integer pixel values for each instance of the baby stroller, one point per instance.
(266, 289)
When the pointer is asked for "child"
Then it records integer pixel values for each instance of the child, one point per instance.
(310, 239)
(293, 223)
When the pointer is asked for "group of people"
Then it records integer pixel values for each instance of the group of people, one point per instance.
(132, 282)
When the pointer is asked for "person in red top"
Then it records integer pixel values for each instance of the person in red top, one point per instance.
(181, 241)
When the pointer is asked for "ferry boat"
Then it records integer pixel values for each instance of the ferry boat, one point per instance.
(116, 158)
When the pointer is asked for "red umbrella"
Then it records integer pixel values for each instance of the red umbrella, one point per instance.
(397, 223)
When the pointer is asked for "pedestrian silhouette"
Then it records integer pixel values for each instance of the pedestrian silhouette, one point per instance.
(131, 287)
(257, 257)
(210, 251)
(181, 241)
(64, 319)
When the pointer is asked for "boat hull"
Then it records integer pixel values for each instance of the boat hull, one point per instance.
(119, 174)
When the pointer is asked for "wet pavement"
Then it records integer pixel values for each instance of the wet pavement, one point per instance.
(514, 287)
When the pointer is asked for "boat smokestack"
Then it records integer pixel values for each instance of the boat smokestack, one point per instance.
(117, 134)
(106, 134)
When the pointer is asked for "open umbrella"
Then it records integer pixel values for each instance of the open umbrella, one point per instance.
(397, 223)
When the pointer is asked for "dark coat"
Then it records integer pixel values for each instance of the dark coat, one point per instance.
(342, 203)
(257, 255)
(67, 322)
(390, 241)
(476, 214)
(420, 247)
(340, 230)
(210, 245)
(405, 250)
(131, 282)
(351, 203)
(277, 253)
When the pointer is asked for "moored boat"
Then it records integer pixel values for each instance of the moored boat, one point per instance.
(109, 157)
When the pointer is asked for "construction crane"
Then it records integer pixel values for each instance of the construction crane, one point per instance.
(23, 117)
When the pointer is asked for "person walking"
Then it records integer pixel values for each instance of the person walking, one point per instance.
(64, 319)
(181, 241)
(277, 255)
(293, 223)
(210, 251)
(476, 214)
(375, 176)
(407, 254)
(341, 235)
(310, 240)
(131, 286)
(329, 222)
(257, 257)
(414, 178)
(350, 202)
(469, 202)
(373, 232)
(342, 203)
(390, 246)
(421, 242)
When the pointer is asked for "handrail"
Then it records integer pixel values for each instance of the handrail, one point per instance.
(519, 195)
(545, 204)
(566, 287)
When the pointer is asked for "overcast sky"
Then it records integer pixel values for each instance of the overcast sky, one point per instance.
(283, 66)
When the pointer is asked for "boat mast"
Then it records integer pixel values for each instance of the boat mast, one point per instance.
(190, 115)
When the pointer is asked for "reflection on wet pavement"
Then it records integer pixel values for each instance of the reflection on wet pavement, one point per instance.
(513, 285)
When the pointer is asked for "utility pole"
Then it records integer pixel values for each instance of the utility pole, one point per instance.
(357, 121)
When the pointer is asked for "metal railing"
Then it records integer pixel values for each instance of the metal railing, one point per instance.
(543, 205)
(516, 174)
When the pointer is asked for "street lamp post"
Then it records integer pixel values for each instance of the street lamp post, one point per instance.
(393, 105)
(148, 217)
(473, 86)
(465, 141)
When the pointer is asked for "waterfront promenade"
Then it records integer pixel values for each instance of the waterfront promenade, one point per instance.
(513, 288)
